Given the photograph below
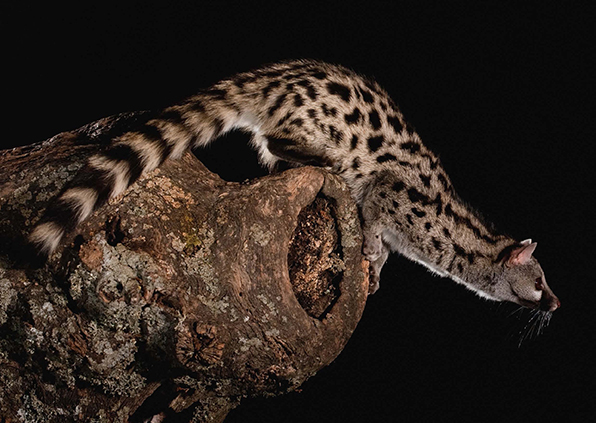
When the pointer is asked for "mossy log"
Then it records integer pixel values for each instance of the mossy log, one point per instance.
(177, 299)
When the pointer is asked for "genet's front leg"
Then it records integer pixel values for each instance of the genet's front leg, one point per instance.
(374, 270)
(375, 222)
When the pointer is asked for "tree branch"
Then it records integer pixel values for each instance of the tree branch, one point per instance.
(179, 298)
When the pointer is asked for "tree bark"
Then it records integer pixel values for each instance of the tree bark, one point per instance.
(177, 299)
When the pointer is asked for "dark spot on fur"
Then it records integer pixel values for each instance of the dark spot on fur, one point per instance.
(290, 76)
(416, 196)
(462, 253)
(217, 93)
(284, 119)
(372, 86)
(269, 87)
(367, 96)
(411, 146)
(340, 90)
(445, 182)
(298, 100)
(439, 204)
(374, 119)
(459, 250)
(353, 117)
(374, 143)
(398, 186)
(386, 158)
(196, 106)
(272, 73)
(335, 135)
(328, 111)
(418, 212)
(278, 103)
(310, 89)
(240, 80)
(354, 142)
(425, 180)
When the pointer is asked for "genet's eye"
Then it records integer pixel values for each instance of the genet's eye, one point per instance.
(538, 284)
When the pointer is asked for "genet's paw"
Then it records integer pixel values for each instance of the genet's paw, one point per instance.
(375, 267)
(374, 279)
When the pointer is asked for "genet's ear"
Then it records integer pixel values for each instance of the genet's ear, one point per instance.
(521, 254)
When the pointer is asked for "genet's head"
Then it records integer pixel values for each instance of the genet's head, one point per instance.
(522, 280)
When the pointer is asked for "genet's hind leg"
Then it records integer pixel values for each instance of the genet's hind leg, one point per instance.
(298, 151)
(266, 159)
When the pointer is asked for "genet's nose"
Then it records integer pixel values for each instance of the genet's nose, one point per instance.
(550, 303)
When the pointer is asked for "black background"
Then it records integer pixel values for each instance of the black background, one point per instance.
(500, 90)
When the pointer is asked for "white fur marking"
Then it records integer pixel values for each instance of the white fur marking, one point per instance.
(176, 137)
(150, 153)
(119, 170)
(47, 236)
(83, 200)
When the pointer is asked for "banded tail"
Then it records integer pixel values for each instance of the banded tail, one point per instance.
(132, 154)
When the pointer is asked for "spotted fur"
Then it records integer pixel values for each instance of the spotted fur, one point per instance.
(311, 113)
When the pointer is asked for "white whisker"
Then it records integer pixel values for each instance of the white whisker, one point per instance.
(518, 311)
(535, 326)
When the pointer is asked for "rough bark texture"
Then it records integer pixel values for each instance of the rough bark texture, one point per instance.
(179, 298)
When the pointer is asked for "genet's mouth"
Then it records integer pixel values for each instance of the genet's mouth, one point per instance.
(529, 304)
(549, 303)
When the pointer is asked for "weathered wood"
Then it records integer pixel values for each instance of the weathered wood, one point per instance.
(181, 297)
